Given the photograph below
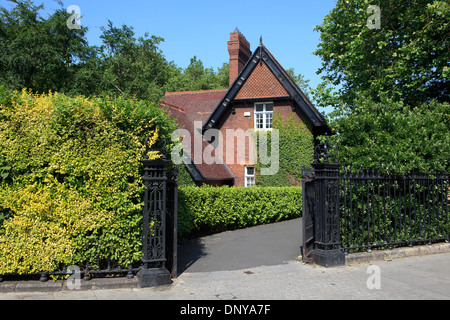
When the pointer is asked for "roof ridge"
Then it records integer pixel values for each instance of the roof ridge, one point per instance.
(195, 92)
(290, 78)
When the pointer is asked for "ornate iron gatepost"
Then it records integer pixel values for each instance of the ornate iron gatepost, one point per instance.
(308, 208)
(159, 224)
(326, 218)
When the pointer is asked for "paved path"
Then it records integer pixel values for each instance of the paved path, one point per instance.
(260, 264)
(264, 245)
(412, 278)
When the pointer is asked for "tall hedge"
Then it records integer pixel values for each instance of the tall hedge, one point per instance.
(70, 185)
(206, 209)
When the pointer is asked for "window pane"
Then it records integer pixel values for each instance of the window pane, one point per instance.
(269, 120)
(250, 182)
(269, 106)
(259, 107)
(250, 171)
(259, 121)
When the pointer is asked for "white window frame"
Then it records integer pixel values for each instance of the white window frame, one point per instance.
(249, 176)
(264, 114)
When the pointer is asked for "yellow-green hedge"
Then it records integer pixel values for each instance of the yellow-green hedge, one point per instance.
(70, 187)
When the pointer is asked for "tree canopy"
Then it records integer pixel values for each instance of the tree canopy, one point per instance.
(406, 59)
(43, 54)
(388, 85)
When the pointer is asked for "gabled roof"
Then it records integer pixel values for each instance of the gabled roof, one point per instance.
(208, 106)
(262, 55)
(191, 106)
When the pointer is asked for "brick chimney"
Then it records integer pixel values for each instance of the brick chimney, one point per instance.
(239, 50)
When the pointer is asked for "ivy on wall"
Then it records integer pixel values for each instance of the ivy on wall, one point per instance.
(296, 146)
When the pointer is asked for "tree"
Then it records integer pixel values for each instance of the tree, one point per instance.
(37, 53)
(392, 137)
(300, 80)
(197, 77)
(388, 86)
(43, 54)
(131, 66)
(407, 59)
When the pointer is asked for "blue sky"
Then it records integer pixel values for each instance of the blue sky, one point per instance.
(202, 27)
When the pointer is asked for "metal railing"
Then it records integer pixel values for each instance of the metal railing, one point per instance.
(382, 211)
(346, 211)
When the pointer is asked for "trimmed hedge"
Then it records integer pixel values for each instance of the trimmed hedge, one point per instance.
(71, 179)
(206, 210)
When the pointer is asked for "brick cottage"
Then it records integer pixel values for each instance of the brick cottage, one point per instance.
(258, 87)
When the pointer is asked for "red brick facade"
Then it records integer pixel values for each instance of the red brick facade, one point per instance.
(238, 120)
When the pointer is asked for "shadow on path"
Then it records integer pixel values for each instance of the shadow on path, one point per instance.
(270, 244)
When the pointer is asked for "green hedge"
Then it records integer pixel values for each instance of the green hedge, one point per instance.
(207, 210)
(70, 182)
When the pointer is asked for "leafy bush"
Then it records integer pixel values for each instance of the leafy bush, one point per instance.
(205, 210)
(73, 187)
(393, 137)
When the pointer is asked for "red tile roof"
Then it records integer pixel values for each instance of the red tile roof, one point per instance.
(190, 106)
(261, 83)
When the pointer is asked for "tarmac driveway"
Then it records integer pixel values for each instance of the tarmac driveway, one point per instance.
(265, 245)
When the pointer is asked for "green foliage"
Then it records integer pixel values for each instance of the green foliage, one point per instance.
(124, 65)
(206, 209)
(393, 137)
(39, 53)
(197, 77)
(42, 54)
(295, 150)
(184, 177)
(405, 60)
(73, 192)
(300, 80)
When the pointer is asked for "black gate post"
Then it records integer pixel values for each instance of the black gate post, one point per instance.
(154, 271)
(308, 208)
(327, 249)
(172, 222)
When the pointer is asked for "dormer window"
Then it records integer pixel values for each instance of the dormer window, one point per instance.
(263, 115)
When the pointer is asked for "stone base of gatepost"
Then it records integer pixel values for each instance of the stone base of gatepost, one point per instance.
(153, 277)
(328, 258)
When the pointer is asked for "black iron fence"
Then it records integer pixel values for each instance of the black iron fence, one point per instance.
(382, 211)
(85, 271)
(346, 210)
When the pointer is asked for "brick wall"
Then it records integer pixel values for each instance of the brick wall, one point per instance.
(239, 152)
